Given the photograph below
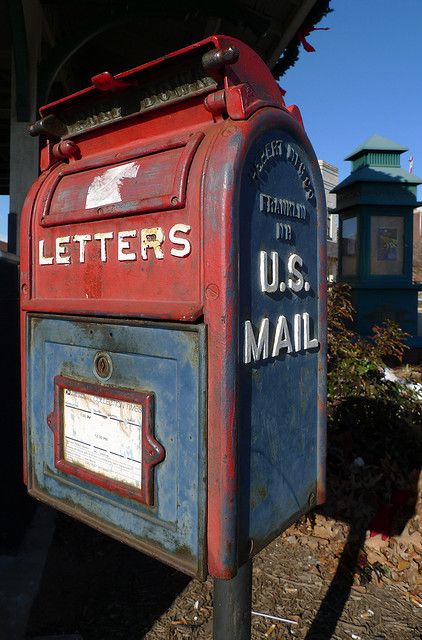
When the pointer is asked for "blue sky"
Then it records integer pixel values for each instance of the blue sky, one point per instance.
(4, 210)
(363, 79)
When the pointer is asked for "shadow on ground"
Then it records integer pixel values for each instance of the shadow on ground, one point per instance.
(372, 474)
(99, 588)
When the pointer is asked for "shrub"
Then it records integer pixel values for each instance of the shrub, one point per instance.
(358, 393)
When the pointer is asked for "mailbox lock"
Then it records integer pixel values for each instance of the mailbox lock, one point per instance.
(103, 366)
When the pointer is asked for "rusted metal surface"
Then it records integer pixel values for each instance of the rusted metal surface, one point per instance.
(101, 188)
(267, 463)
(166, 507)
(209, 208)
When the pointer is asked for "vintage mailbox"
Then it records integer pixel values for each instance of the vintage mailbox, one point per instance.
(173, 309)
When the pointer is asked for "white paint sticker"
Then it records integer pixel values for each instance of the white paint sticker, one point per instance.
(105, 189)
(103, 435)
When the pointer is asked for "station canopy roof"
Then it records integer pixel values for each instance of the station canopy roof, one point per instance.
(81, 38)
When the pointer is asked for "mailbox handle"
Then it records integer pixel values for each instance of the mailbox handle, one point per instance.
(50, 126)
(106, 82)
(218, 58)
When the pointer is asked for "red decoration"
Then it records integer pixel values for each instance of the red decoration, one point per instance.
(303, 33)
(381, 523)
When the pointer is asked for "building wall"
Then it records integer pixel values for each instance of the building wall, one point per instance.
(417, 245)
(330, 178)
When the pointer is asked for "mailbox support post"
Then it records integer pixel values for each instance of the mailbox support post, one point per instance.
(232, 606)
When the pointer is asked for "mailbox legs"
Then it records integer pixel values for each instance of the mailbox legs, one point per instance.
(232, 606)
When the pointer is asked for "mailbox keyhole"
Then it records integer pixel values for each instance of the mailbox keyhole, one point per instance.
(103, 367)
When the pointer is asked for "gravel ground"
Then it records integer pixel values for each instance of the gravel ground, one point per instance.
(289, 582)
(102, 590)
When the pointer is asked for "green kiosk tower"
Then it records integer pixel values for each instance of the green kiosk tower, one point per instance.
(375, 206)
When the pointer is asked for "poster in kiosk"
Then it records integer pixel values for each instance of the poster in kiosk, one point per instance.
(173, 309)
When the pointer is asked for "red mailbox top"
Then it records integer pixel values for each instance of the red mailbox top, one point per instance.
(116, 223)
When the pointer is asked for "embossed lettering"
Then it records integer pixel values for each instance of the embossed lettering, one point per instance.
(152, 239)
(183, 242)
(281, 207)
(253, 349)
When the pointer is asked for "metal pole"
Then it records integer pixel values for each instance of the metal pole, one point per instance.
(232, 606)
